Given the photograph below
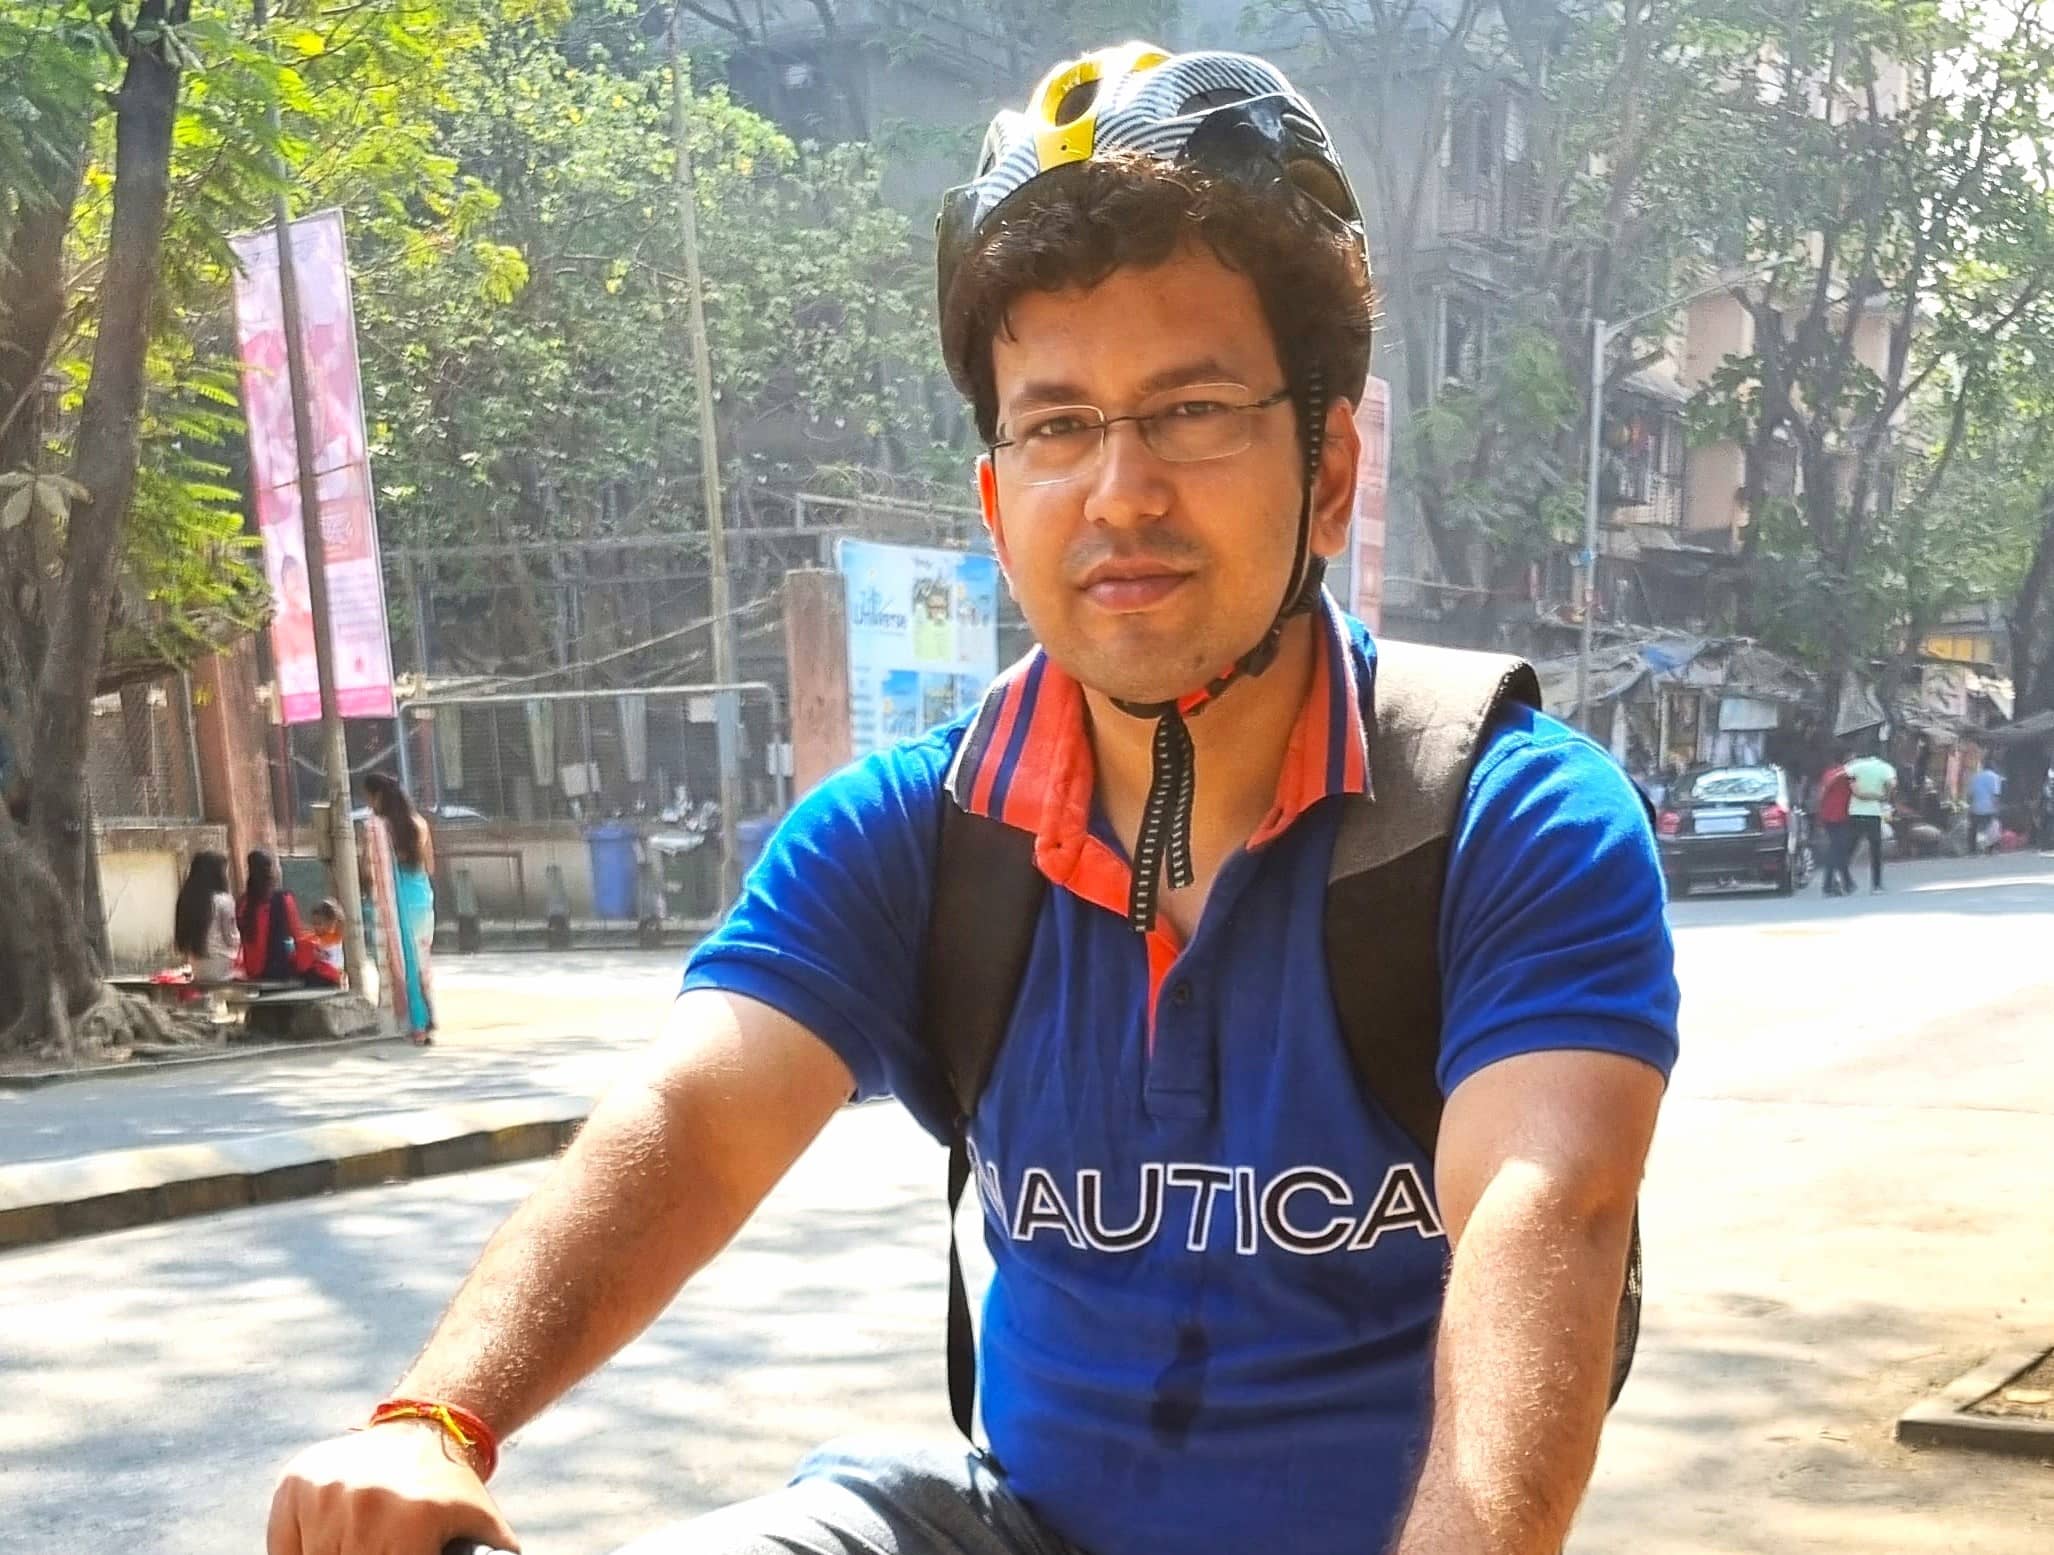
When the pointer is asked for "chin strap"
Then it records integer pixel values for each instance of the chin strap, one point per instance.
(1165, 834)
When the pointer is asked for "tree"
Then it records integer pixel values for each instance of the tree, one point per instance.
(1888, 157)
(524, 371)
(1506, 157)
(137, 140)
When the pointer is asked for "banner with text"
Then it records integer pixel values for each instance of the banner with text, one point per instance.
(349, 528)
(923, 637)
(1364, 594)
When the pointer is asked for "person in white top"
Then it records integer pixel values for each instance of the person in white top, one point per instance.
(1874, 793)
(203, 923)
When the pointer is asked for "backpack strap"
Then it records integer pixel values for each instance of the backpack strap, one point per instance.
(1431, 709)
(980, 932)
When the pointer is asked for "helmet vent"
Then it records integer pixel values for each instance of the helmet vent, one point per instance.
(1213, 97)
(1077, 102)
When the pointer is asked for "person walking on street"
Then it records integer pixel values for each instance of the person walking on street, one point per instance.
(1985, 794)
(1874, 791)
(1836, 789)
(403, 851)
(1246, 1293)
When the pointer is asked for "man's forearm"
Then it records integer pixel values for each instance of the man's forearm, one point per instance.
(669, 1166)
(1521, 1372)
(575, 1273)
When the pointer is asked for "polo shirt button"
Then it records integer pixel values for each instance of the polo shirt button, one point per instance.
(1180, 995)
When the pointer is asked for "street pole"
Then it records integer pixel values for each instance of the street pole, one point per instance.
(342, 867)
(1587, 560)
(726, 711)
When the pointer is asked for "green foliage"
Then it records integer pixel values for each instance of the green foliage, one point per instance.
(528, 370)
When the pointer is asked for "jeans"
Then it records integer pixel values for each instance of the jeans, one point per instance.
(1839, 848)
(1866, 829)
(872, 1497)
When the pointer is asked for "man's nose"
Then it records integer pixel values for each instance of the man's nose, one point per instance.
(1131, 483)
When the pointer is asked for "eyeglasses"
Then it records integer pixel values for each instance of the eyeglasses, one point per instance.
(1189, 425)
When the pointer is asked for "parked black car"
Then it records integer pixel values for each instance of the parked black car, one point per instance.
(1734, 826)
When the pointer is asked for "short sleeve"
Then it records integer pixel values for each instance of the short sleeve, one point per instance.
(1553, 932)
(832, 920)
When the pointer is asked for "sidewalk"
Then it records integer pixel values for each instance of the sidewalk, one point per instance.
(527, 1043)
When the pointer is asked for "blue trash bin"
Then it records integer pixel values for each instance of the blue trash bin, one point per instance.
(751, 834)
(613, 870)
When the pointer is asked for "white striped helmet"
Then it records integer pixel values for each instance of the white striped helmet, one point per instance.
(1232, 114)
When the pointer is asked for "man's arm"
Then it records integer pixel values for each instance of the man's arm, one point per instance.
(667, 1169)
(672, 1162)
(1538, 1165)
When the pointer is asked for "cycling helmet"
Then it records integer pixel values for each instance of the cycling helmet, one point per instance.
(1236, 118)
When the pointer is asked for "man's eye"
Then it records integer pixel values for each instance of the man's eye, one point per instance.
(1055, 427)
(1196, 410)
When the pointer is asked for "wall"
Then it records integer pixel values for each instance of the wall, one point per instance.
(493, 874)
(141, 869)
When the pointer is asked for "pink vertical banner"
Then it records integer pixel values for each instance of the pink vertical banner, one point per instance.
(1372, 486)
(349, 527)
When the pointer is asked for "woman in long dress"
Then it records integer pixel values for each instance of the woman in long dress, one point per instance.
(411, 847)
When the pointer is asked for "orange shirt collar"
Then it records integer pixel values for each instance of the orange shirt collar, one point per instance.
(1026, 760)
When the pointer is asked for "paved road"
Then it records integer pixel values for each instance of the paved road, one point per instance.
(1847, 1206)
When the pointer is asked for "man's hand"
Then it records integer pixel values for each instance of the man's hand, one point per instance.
(397, 1489)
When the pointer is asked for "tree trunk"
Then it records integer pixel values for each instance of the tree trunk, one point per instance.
(54, 977)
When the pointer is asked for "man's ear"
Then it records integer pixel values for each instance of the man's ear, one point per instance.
(1333, 488)
(987, 504)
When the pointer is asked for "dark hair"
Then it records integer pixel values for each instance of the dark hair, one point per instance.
(194, 915)
(1077, 225)
(391, 802)
(259, 884)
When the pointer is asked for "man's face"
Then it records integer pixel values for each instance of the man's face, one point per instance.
(1142, 577)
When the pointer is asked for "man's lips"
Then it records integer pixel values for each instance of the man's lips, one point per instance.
(1129, 586)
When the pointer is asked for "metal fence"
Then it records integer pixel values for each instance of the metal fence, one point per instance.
(142, 754)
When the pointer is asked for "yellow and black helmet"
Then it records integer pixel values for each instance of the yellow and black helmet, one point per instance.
(1233, 115)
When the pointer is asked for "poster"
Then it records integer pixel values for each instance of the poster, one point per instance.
(923, 637)
(1364, 593)
(349, 530)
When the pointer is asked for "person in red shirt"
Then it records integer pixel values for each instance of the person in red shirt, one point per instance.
(1836, 788)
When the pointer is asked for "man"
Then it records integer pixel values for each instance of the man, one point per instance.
(1985, 792)
(1836, 788)
(1872, 795)
(1156, 295)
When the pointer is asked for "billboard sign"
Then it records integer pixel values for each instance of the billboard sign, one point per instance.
(1364, 592)
(349, 529)
(923, 637)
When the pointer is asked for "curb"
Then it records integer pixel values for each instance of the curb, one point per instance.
(52, 1201)
(1944, 1419)
(37, 1080)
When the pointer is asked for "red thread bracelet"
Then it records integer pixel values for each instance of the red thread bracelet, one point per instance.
(457, 1423)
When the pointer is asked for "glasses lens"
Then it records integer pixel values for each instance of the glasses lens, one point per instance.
(1055, 444)
(1205, 421)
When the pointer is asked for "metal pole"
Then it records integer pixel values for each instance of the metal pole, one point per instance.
(342, 870)
(1587, 562)
(709, 469)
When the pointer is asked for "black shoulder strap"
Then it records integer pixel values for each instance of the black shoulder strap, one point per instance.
(1431, 711)
(980, 932)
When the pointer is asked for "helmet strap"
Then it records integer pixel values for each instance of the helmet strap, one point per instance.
(1165, 834)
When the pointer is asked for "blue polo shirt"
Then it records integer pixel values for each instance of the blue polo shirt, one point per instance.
(1217, 1268)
